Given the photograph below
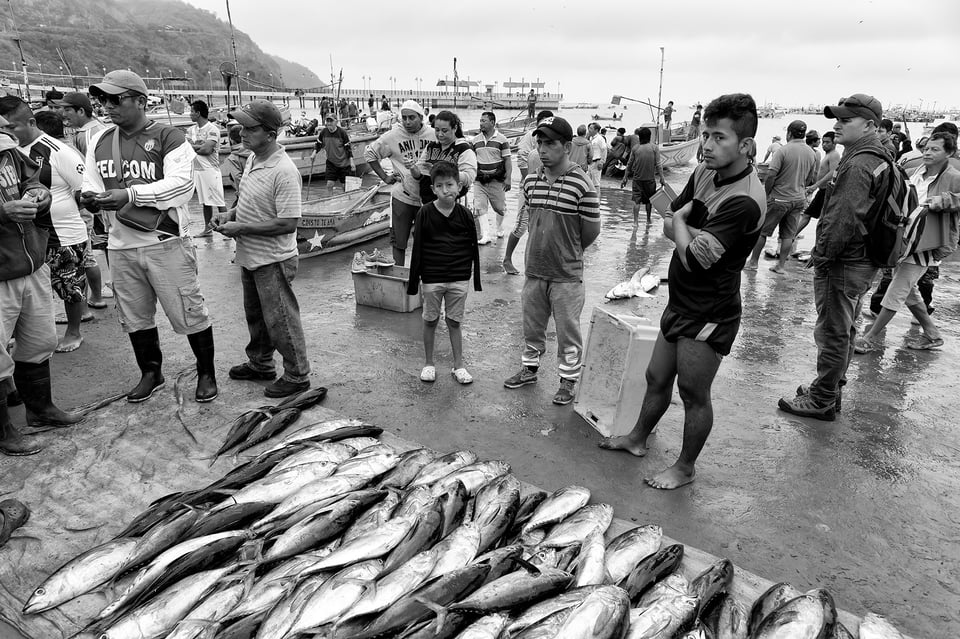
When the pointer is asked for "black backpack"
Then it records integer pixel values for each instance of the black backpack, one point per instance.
(897, 221)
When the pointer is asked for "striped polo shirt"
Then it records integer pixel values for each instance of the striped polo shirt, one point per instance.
(491, 152)
(559, 210)
(270, 189)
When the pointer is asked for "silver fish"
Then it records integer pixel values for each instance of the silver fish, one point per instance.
(546, 628)
(389, 588)
(603, 614)
(81, 574)
(473, 476)
(590, 561)
(488, 627)
(279, 621)
(774, 597)
(519, 588)
(312, 493)
(375, 543)
(494, 514)
(273, 489)
(276, 583)
(211, 610)
(557, 507)
(575, 528)
(457, 549)
(808, 616)
(726, 619)
(443, 466)
(411, 463)
(158, 617)
(415, 501)
(361, 443)
(627, 550)
(664, 617)
(373, 517)
(336, 596)
(540, 611)
(312, 430)
(670, 586)
(371, 465)
(333, 452)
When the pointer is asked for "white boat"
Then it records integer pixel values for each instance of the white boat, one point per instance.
(678, 153)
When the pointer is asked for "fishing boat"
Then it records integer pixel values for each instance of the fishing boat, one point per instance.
(678, 153)
(332, 223)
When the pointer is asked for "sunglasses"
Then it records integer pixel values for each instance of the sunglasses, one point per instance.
(114, 100)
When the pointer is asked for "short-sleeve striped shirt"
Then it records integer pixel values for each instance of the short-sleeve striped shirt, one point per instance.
(490, 152)
(270, 189)
(559, 210)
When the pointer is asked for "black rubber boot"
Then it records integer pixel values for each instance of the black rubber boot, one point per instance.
(146, 348)
(11, 441)
(33, 382)
(202, 345)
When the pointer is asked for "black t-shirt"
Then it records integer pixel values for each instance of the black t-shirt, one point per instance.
(448, 244)
(729, 214)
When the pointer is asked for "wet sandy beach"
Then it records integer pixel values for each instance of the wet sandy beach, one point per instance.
(865, 506)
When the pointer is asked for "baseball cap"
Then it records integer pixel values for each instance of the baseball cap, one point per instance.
(797, 128)
(259, 113)
(330, 116)
(412, 105)
(119, 81)
(813, 135)
(555, 128)
(76, 100)
(857, 105)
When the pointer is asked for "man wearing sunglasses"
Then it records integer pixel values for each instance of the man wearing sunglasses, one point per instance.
(842, 270)
(146, 164)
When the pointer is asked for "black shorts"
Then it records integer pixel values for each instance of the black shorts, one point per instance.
(334, 173)
(643, 190)
(719, 336)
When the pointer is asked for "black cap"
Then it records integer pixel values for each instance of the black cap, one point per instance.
(555, 128)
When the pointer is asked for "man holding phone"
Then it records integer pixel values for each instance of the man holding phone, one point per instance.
(157, 174)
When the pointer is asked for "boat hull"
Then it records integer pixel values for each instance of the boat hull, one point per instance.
(332, 224)
(678, 153)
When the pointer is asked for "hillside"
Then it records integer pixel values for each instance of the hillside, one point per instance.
(160, 38)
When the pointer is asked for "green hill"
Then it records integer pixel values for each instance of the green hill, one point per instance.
(162, 38)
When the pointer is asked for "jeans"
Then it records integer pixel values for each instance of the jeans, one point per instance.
(564, 300)
(273, 319)
(838, 290)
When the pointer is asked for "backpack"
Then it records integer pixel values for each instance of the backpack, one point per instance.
(898, 219)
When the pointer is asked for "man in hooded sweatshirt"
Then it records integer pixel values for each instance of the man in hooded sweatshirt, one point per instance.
(580, 148)
(402, 146)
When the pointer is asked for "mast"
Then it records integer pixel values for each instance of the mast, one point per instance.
(659, 96)
(456, 83)
(236, 63)
(23, 60)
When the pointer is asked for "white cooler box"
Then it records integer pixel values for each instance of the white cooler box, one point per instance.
(613, 381)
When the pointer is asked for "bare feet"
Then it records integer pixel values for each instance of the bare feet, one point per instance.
(776, 268)
(510, 268)
(624, 442)
(672, 477)
(69, 343)
(750, 266)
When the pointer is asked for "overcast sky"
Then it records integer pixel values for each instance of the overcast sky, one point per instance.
(787, 52)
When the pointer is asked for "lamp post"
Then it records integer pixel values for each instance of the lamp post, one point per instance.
(40, 66)
(86, 69)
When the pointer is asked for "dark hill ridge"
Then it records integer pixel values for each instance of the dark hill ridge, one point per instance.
(157, 38)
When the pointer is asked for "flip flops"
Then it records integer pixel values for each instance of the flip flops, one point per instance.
(97, 304)
(924, 343)
(462, 376)
(428, 374)
(68, 349)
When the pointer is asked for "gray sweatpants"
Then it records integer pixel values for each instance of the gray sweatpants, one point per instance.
(564, 300)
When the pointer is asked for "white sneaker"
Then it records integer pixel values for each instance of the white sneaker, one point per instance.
(484, 241)
(358, 265)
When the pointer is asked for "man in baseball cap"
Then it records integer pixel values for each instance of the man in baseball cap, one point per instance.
(842, 268)
(857, 105)
(564, 220)
(119, 82)
(259, 113)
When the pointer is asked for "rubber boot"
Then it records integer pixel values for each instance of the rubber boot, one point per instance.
(483, 222)
(202, 345)
(10, 392)
(11, 441)
(146, 348)
(33, 382)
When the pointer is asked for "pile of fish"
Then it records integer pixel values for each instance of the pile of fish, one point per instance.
(331, 533)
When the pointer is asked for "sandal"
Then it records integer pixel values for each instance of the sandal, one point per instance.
(864, 345)
(924, 343)
(428, 374)
(13, 514)
(461, 375)
(97, 304)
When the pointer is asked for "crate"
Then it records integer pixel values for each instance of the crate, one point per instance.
(613, 380)
(385, 287)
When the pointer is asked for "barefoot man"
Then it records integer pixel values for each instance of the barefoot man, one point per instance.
(715, 223)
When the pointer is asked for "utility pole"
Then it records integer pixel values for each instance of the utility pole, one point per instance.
(659, 96)
(23, 60)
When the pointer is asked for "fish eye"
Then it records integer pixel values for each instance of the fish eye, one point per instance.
(40, 592)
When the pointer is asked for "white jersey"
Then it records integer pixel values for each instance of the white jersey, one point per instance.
(197, 134)
(61, 171)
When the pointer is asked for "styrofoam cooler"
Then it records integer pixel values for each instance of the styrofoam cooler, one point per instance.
(613, 380)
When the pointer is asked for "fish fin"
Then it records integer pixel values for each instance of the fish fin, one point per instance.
(436, 608)
(530, 567)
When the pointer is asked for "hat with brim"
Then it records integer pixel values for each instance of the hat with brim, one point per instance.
(858, 105)
(259, 113)
(554, 128)
(119, 81)
(74, 100)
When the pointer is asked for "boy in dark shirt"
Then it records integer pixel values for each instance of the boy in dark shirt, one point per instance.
(444, 253)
